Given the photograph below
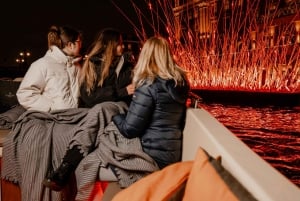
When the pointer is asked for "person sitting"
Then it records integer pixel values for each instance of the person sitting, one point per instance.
(51, 82)
(106, 74)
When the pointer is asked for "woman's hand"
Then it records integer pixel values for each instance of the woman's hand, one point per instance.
(130, 89)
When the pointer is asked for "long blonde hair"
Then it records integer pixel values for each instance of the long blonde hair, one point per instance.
(155, 60)
(105, 47)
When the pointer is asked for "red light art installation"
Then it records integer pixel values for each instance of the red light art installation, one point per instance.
(244, 46)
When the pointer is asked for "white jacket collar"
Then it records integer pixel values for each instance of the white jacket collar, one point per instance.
(58, 55)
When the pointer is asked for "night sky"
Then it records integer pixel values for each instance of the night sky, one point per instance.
(24, 24)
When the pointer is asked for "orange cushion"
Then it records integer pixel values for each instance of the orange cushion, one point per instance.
(203, 179)
(160, 185)
(209, 181)
(205, 184)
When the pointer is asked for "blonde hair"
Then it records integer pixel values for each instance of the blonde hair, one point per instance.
(105, 47)
(155, 60)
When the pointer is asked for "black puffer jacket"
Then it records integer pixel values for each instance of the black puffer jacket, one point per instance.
(157, 115)
(114, 86)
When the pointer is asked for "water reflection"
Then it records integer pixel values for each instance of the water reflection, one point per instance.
(272, 132)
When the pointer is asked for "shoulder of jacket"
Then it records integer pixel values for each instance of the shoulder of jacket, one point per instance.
(40, 63)
(147, 88)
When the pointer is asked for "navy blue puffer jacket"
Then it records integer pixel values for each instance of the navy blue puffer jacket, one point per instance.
(157, 116)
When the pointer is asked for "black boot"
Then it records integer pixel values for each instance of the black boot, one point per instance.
(58, 179)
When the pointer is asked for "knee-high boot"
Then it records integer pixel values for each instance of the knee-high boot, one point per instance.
(58, 179)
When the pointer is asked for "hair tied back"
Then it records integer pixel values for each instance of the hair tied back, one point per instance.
(54, 29)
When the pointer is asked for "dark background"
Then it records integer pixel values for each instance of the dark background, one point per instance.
(24, 24)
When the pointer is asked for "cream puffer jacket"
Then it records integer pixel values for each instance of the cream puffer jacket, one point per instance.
(51, 83)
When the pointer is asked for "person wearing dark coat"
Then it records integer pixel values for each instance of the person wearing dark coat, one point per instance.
(158, 109)
(106, 74)
(114, 85)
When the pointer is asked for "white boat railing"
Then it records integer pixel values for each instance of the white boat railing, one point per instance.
(262, 180)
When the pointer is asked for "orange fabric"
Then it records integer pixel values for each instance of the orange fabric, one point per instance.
(158, 186)
(205, 184)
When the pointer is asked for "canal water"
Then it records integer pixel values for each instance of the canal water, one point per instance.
(273, 132)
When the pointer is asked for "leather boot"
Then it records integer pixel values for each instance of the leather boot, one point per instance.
(59, 178)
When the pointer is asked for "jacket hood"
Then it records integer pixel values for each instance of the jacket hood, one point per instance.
(178, 93)
(57, 54)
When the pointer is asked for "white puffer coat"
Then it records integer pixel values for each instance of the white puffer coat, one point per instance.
(51, 83)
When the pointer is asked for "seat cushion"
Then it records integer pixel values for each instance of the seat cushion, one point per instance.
(210, 181)
(203, 179)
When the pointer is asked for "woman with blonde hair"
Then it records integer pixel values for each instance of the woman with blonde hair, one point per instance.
(157, 112)
(106, 74)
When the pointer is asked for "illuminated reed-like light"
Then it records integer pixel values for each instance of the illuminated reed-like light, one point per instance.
(251, 61)
(150, 5)
(297, 28)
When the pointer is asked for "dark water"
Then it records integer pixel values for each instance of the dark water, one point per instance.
(272, 132)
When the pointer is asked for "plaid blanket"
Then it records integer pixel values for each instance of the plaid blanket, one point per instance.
(8, 117)
(39, 140)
